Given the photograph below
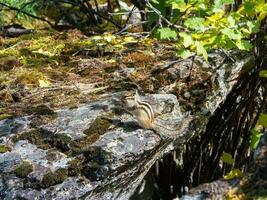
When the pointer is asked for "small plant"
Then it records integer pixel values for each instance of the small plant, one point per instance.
(201, 25)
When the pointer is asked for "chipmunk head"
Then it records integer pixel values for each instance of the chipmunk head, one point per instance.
(131, 99)
(128, 99)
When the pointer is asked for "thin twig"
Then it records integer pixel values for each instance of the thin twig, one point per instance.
(126, 13)
(124, 28)
(168, 65)
(131, 26)
(163, 18)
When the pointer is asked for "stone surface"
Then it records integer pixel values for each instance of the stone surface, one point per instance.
(8, 126)
(71, 159)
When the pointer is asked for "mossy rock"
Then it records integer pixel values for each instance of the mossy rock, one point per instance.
(34, 136)
(93, 172)
(97, 155)
(51, 155)
(83, 145)
(48, 179)
(23, 169)
(99, 126)
(45, 140)
(61, 174)
(53, 178)
(75, 167)
(60, 141)
(4, 149)
(41, 110)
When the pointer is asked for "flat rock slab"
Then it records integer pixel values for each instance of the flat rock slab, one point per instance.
(97, 151)
(123, 145)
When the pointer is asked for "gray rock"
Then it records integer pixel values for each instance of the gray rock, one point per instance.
(8, 161)
(13, 125)
(74, 122)
(110, 161)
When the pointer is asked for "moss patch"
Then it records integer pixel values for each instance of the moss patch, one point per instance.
(23, 169)
(34, 136)
(99, 126)
(48, 179)
(75, 167)
(53, 178)
(139, 59)
(60, 141)
(40, 110)
(46, 140)
(5, 116)
(4, 149)
(95, 158)
(81, 146)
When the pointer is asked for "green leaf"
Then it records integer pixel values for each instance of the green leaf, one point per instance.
(231, 21)
(263, 73)
(233, 34)
(227, 158)
(220, 3)
(253, 26)
(223, 2)
(264, 8)
(178, 4)
(263, 120)
(187, 39)
(184, 53)
(249, 7)
(201, 50)
(255, 138)
(244, 45)
(195, 23)
(166, 33)
(169, 2)
(234, 173)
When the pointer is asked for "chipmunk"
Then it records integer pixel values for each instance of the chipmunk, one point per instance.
(146, 116)
(142, 110)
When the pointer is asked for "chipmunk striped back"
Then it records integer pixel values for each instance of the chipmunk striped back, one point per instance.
(145, 106)
(142, 110)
